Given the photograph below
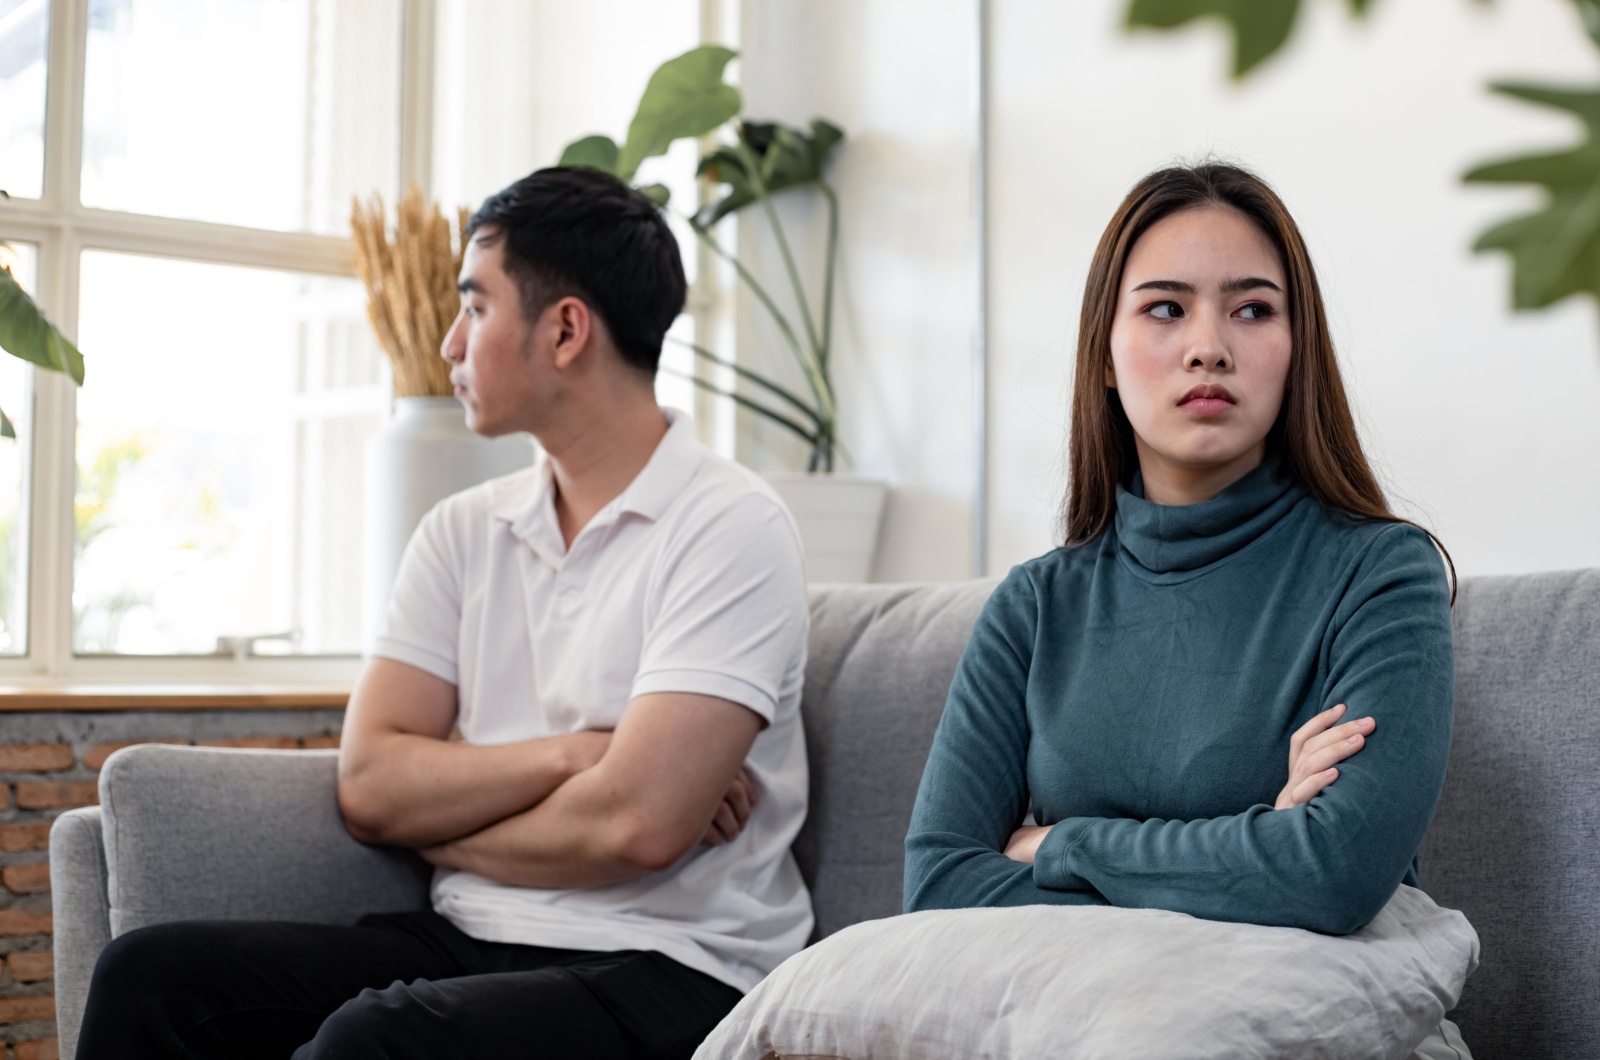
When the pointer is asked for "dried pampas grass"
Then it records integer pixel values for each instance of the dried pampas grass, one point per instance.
(410, 275)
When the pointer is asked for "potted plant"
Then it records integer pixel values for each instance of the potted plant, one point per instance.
(687, 96)
(27, 334)
(426, 451)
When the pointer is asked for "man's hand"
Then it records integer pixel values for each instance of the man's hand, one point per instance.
(1315, 749)
(1024, 842)
(733, 812)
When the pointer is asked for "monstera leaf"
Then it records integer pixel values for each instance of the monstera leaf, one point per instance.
(26, 333)
(785, 156)
(686, 96)
(1556, 251)
(1260, 27)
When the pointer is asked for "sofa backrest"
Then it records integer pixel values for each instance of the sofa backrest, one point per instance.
(1515, 843)
(880, 664)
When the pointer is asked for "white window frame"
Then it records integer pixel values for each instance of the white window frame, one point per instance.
(61, 229)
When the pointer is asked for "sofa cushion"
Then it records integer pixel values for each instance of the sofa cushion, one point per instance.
(1086, 981)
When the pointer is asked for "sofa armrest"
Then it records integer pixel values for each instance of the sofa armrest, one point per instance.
(198, 832)
(81, 912)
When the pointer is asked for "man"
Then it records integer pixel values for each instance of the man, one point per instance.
(618, 633)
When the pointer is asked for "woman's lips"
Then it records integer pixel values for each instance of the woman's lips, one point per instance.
(1207, 400)
(1206, 406)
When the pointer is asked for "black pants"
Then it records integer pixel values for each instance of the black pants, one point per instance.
(395, 985)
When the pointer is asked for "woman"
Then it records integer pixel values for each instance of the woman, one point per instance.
(1233, 592)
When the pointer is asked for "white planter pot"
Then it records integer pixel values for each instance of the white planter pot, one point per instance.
(838, 516)
(422, 455)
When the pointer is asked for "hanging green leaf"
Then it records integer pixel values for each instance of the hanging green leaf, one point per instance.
(596, 152)
(26, 333)
(1555, 252)
(788, 159)
(6, 429)
(1260, 27)
(686, 96)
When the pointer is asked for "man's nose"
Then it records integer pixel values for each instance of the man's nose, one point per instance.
(454, 346)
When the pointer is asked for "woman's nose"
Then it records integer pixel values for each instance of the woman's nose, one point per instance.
(1207, 348)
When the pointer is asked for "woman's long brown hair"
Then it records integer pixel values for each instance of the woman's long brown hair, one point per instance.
(1314, 436)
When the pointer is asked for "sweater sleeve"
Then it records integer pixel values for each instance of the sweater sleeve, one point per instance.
(1330, 864)
(974, 790)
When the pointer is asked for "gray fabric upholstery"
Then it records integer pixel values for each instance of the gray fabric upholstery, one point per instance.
(881, 659)
(1516, 841)
(192, 832)
(82, 914)
(204, 832)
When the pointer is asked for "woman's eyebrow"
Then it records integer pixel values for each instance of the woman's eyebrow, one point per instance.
(1245, 283)
(1248, 283)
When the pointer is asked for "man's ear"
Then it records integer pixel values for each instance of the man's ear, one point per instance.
(574, 327)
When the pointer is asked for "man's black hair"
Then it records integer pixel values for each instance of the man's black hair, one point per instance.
(570, 230)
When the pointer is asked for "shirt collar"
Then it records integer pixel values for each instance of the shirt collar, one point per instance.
(527, 500)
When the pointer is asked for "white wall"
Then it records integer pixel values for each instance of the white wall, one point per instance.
(896, 76)
(1482, 423)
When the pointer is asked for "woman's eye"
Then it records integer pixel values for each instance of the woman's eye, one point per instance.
(1165, 311)
(1255, 311)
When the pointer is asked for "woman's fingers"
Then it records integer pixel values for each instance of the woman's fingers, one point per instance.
(1331, 755)
(1307, 789)
(1336, 736)
(726, 822)
(1317, 725)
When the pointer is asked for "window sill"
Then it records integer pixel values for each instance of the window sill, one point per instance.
(174, 696)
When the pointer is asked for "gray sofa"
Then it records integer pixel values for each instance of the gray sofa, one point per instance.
(190, 832)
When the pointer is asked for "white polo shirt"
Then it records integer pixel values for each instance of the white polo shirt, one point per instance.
(691, 580)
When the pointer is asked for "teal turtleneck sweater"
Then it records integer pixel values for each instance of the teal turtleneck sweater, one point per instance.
(1138, 694)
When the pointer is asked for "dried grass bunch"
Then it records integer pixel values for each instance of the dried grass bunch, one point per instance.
(410, 274)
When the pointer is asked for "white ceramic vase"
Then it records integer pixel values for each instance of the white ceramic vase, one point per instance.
(422, 455)
(838, 516)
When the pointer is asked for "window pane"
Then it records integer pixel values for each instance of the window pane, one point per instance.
(16, 398)
(220, 441)
(24, 31)
(262, 113)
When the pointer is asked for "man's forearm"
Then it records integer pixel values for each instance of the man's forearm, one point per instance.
(413, 790)
(582, 835)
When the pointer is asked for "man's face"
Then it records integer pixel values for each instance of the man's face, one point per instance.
(491, 347)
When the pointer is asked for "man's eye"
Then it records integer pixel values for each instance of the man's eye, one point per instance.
(1255, 311)
(1166, 311)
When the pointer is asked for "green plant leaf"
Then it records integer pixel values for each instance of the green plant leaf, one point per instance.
(1260, 27)
(596, 152)
(659, 194)
(686, 96)
(788, 157)
(6, 429)
(26, 333)
(1555, 252)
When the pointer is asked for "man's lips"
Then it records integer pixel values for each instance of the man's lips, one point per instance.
(1207, 399)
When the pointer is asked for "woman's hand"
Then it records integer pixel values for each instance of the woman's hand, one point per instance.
(1024, 842)
(1316, 749)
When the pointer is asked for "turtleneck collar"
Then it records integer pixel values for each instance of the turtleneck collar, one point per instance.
(1168, 539)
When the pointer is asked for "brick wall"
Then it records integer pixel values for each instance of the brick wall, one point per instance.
(49, 763)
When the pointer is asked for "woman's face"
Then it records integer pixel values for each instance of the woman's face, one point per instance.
(1200, 351)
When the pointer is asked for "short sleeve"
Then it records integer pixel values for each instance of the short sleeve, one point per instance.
(727, 614)
(424, 616)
